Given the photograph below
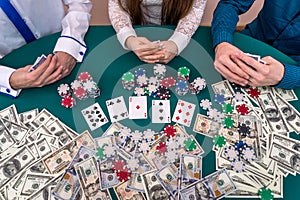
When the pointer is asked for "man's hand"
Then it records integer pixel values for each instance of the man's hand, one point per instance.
(45, 74)
(146, 50)
(170, 50)
(260, 74)
(226, 66)
(66, 61)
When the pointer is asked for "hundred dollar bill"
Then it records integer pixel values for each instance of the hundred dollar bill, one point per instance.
(28, 116)
(153, 189)
(42, 118)
(67, 187)
(11, 114)
(197, 190)
(289, 113)
(123, 193)
(34, 183)
(17, 131)
(286, 142)
(286, 158)
(288, 95)
(5, 137)
(220, 183)
(135, 182)
(51, 139)
(114, 129)
(190, 169)
(223, 87)
(15, 164)
(88, 175)
(82, 154)
(57, 161)
(108, 178)
(155, 159)
(272, 113)
(43, 147)
(206, 126)
(168, 177)
(57, 129)
(35, 134)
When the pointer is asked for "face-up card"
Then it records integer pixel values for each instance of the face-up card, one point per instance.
(94, 116)
(161, 111)
(117, 109)
(138, 107)
(183, 113)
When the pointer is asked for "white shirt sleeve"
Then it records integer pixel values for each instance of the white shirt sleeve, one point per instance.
(121, 22)
(5, 88)
(187, 26)
(74, 27)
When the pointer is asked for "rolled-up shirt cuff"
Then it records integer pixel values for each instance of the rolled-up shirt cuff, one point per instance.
(221, 36)
(181, 40)
(71, 46)
(123, 34)
(5, 87)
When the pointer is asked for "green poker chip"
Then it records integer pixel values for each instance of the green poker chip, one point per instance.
(219, 140)
(128, 77)
(228, 108)
(189, 144)
(265, 194)
(184, 71)
(100, 153)
(228, 122)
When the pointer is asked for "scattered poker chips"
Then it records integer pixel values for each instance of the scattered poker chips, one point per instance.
(240, 145)
(80, 93)
(183, 73)
(161, 148)
(64, 90)
(242, 109)
(189, 144)
(182, 87)
(170, 131)
(84, 76)
(230, 153)
(142, 81)
(171, 155)
(133, 164)
(219, 140)
(228, 108)
(248, 154)
(238, 166)
(265, 194)
(140, 72)
(220, 98)
(168, 82)
(205, 104)
(123, 175)
(118, 165)
(68, 102)
(197, 85)
(254, 92)
(228, 122)
(243, 129)
(163, 92)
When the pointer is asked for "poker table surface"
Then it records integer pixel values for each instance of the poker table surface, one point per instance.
(106, 61)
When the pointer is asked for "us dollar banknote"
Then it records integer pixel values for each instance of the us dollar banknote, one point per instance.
(123, 194)
(206, 126)
(190, 169)
(197, 190)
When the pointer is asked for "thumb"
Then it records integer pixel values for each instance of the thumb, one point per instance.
(268, 59)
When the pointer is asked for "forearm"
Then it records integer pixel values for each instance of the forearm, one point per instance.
(291, 77)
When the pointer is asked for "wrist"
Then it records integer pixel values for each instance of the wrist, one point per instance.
(220, 45)
(12, 82)
(129, 41)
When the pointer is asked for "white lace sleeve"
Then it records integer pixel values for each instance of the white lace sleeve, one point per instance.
(121, 22)
(188, 25)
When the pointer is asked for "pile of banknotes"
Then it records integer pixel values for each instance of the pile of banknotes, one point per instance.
(42, 158)
(257, 149)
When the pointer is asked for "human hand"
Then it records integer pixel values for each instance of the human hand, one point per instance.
(169, 50)
(226, 66)
(45, 74)
(260, 74)
(67, 62)
(146, 50)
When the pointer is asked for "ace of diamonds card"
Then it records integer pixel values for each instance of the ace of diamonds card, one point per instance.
(138, 107)
(183, 113)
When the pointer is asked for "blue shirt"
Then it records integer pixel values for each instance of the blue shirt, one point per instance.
(277, 24)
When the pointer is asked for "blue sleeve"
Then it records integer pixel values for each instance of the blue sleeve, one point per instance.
(225, 19)
(291, 77)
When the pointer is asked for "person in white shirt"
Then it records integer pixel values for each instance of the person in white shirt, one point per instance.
(186, 14)
(42, 18)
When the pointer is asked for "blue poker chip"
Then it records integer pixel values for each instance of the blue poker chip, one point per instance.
(240, 145)
(220, 98)
(140, 72)
(182, 85)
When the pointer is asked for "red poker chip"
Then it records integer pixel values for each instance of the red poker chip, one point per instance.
(170, 131)
(68, 102)
(161, 148)
(242, 109)
(84, 76)
(118, 165)
(123, 175)
(254, 92)
(80, 92)
(168, 82)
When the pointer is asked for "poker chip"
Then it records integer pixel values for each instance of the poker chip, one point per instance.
(265, 194)
(254, 92)
(64, 90)
(197, 85)
(148, 135)
(124, 132)
(140, 72)
(171, 155)
(168, 82)
(152, 80)
(220, 98)
(242, 109)
(109, 150)
(180, 140)
(228, 122)
(230, 153)
(161, 148)
(205, 104)
(163, 92)
(128, 80)
(189, 144)
(212, 113)
(238, 166)
(219, 140)
(144, 146)
(159, 70)
(183, 73)
(100, 154)
(243, 130)
(123, 175)
(240, 145)
(228, 108)
(152, 89)
(133, 164)
(142, 81)
(170, 131)
(84, 76)
(172, 144)
(136, 136)
(118, 165)
(248, 154)
(182, 87)
(239, 97)
(80, 93)
(68, 102)
(76, 84)
(139, 91)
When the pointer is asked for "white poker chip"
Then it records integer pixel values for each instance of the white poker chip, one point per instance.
(89, 85)
(171, 156)
(149, 135)
(219, 118)
(238, 166)
(159, 69)
(200, 83)
(152, 80)
(144, 147)
(172, 144)
(152, 88)
(109, 150)
(136, 136)
(230, 153)
(205, 104)
(212, 113)
(76, 84)
(180, 140)
(139, 91)
(248, 154)
(133, 164)
(142, 80)
(124, 132)
(63, 89)
(239, 97)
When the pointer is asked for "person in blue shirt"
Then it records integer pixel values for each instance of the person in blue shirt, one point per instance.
(277, 24)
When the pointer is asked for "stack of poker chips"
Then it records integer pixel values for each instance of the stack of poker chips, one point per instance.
(128, 80)
(197, 85)
(182, 87)
(183, 73)
(65, 92)
(163, 92)
(88, 84)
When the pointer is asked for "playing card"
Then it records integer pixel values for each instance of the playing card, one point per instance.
(138, 107)
(256, 57)
(161, 111)
(37, 63)
(94, 116)
(183, 113)
(117, 109)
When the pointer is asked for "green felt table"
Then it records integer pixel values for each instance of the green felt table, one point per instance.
(106, 61)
